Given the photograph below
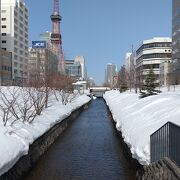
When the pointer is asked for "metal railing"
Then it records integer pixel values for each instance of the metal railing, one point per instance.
(165, 142)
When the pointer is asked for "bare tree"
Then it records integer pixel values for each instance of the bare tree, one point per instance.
(37, 96)
(9, 103)
(63, 88)
(122, 79)
(25, 106)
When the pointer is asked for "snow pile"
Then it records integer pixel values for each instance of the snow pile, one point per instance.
(138, 118)
(15, 139)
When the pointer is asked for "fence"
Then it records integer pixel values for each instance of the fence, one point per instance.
(165, 142)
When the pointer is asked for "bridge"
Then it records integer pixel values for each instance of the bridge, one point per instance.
(98, 91)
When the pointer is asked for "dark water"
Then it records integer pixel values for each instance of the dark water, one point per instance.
(88, 150)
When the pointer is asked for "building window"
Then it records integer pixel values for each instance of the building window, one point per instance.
(3, 42)
(15, 64)
(21, 52)
(21, 45)
(3, 19)
(15, 71)
(26, 29)
(21, 12)
(15, 50)
(21, 38)
(3, 11)
(21, 18)
(3, 26)
(15, 21)
(15, 42)
(15, 14)
(4, 49)
(21, 32)
(26, 23)
(3, 34)
(15, 28)
(15, 35)
(15, 56)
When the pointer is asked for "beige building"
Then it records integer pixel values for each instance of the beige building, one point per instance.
(150, 55)
(42, 62)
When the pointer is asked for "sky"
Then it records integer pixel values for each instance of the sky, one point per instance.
(102, 30)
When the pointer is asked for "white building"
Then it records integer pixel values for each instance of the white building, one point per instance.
(151, 54)
(14, 36)
(45, 36)
(0, 21)
(110, 73)
(128, 61)
(81, 60)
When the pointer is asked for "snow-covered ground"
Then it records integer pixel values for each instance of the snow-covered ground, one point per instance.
(138, 118)
(15, 139)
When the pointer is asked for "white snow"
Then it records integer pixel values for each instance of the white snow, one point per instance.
(138, 118)
(15, 139)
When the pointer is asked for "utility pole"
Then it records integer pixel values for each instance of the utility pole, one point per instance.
(56, 41)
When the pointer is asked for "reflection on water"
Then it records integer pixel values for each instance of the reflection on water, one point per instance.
(88, 150)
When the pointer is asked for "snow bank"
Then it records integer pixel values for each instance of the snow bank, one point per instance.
(138, 118)
(15, 140)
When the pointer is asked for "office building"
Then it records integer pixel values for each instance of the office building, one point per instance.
(46, 36)
(175, 66)
(150, 55)
(73, 68)
(176, 30)
(0, 23)
(128, 61)
(14, 36)
(42, 63)
(5, 68)
(81, 60)
(110, 73)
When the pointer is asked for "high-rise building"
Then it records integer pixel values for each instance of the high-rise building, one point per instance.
(176, 30)
(5, 67)
(0, 23)
(150, 55)
(46, 36)
(81, 60)
(73, 68)
(14, 36)
(111, 73)
(128, 61)
(175, 65)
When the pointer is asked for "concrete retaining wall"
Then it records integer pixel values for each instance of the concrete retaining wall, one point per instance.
(161, 170)
(38, 148)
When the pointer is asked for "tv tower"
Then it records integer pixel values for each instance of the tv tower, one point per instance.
(56, 41)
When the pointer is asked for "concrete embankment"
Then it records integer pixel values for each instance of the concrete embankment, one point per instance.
(39, 147)
(164, 169)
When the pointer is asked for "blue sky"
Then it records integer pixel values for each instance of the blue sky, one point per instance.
(102, 30)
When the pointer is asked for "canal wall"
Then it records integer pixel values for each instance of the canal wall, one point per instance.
(164, 169)
(39, 147)
(126, 150)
